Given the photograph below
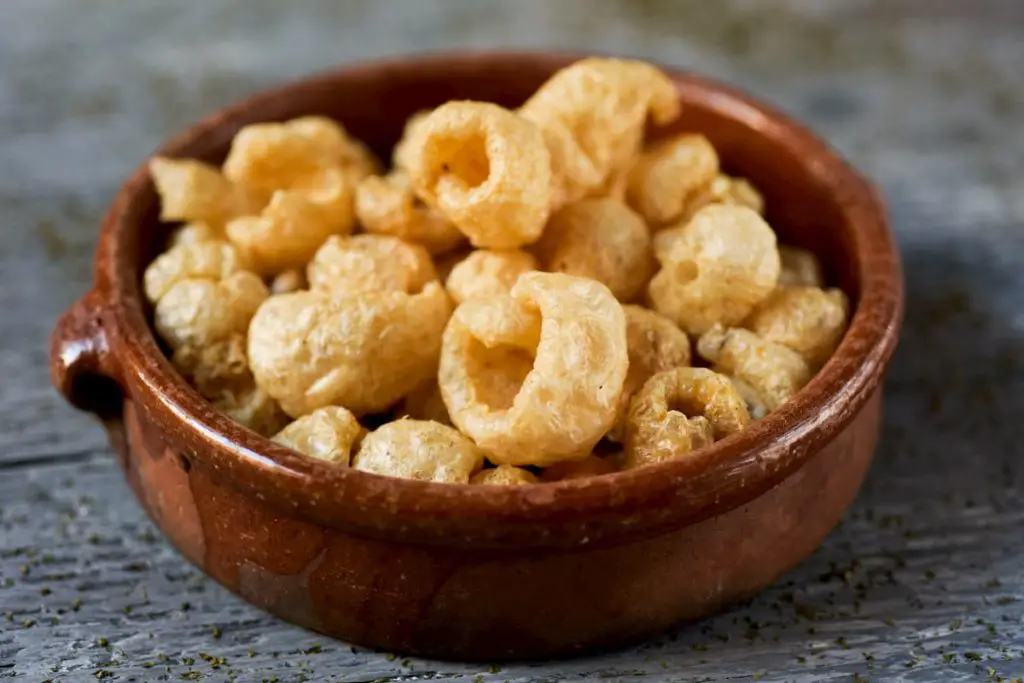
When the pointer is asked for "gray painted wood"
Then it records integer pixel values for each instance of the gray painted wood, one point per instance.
(924, 581)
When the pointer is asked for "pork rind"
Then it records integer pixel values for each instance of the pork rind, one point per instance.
(774, 371)
(593, 114)
(360, 350)
(287, 281)
(387, 205)
(415, 449)
(679, 411)
(504, 475)
(306, 171)
(194, 233)
(724, 189)
(329, 433)
(567, 400)
(654, 344)
(296, 222)
(715, 269)
(670, 175)
(487, 170)
(370, 263)
(204, 260)
(488, 272)
(270, 157)
(809, 320)
(602, 239)
(200, 312)
(800, 267)
(192, 191)
(204, 320)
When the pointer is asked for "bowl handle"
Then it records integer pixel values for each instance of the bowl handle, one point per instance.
(82, 364)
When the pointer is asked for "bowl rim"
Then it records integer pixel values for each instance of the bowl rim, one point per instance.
(607, 509)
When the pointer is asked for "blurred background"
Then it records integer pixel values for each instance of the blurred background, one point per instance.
(924, 96)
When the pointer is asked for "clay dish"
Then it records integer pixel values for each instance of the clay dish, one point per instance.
(489, 573)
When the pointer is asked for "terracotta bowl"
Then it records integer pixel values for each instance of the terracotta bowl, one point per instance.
(485, 572)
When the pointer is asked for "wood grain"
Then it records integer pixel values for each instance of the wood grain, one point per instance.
(924, 581)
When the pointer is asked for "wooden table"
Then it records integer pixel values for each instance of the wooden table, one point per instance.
(924, 581)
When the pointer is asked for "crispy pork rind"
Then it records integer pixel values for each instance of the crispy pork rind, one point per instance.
(330, 433)
(504, 475)
(774, 371)
(679, 411)
(593, 114)
(715, 269)
(422, 450)
(370, 263)
(487, 170)
(535, 378)
(488, 272)
(670, 176)
(809, 320)
(601, 239)
(360, 350)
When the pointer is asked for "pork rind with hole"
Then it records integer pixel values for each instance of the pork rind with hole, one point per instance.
(305, 171)
(387, 205)
(488, 272)
(504, 475)
(416, 449)
(329, 433)
(654, 344)
(679, 411)
(670, 175)
(809, 320)
(715, 269)
(192, 191)
(800, 267)
(360, 350)
(535, 377)
(601, 239)
(774, 371)
(370, 263)
(593, 114)
(486, 169)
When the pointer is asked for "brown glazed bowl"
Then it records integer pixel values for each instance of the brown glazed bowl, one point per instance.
(484, 572)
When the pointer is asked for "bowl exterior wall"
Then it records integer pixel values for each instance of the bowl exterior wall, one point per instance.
(485, 605)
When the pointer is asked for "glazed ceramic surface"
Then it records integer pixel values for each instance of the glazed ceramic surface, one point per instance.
(484, 572)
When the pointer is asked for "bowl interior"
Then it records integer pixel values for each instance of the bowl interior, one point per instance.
(813, 199)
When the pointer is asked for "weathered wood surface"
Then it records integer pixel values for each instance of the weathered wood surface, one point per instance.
(923, 582)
